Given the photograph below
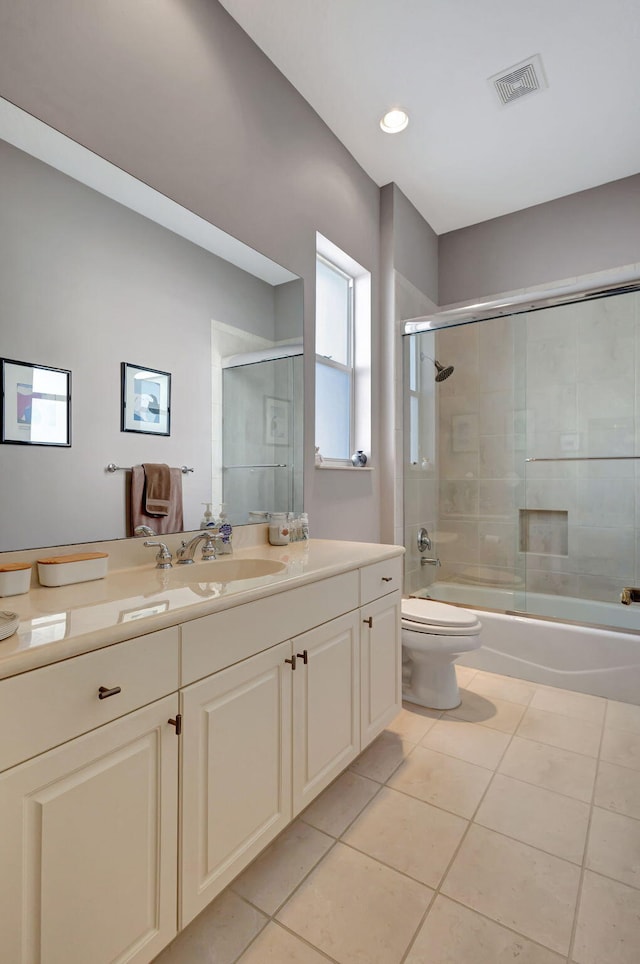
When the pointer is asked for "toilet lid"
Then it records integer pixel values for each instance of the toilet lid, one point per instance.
(428, 613)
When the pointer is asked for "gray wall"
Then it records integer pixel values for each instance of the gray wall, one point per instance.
(415, 245)
(85, 285)
(177, 95)
(574, 235)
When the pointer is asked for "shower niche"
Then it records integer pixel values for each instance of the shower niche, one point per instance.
(544, 532)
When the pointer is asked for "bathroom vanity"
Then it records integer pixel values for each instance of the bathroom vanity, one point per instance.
(160, 729)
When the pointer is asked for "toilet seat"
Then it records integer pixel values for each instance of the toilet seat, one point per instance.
(438, 619)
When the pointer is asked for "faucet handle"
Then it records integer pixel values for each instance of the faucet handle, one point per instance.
(211, 545)
(163, 557)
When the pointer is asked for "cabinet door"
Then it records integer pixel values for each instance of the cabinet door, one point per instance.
(326, 706)
(381, 656)
(236, 771)
(88, 846)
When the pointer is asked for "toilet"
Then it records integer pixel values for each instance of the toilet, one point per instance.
(433, 636)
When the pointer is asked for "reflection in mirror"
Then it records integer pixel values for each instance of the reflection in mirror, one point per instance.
(87, 283)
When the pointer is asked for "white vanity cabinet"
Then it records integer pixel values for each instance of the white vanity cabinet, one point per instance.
(326, 706)
(236, 771)
(261, 740)
(88, 846)
(137, 780)
(380, 665)
(263, 736)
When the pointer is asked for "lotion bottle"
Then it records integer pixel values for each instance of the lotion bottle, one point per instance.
(207, 518)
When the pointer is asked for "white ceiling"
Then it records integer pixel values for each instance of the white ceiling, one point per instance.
(464, 157)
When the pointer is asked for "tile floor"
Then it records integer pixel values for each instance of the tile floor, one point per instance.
(505, 830)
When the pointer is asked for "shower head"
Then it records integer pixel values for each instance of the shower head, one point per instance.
(442, 371)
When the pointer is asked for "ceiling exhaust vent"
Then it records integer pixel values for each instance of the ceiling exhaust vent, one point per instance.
(520, 80)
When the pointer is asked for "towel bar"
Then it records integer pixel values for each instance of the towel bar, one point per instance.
(112, 467)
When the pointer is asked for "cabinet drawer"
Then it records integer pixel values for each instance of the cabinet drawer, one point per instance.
(48, 706)
(213, 642)
(379, 579)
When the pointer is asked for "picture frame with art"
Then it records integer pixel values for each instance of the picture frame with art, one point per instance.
(36, 404)
(277, 420)
(146, 400)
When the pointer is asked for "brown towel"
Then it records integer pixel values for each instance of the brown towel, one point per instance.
(173, 521)
(157, 488)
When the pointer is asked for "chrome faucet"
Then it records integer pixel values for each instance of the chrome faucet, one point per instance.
(143, 531)
(429, 562)
(163, 557)
(187, 550)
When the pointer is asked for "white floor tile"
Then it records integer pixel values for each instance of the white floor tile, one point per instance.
(547, 820)
(467, 741)
(453, 934)
(340, 803)
(220, 933)
(270, 879)
(551, 767)
(614, 847)
(514, 884)
(489, 711)
(502, 687)
(356, 910)
(579, 706)
(407, 834)
(580, 736)
(442, 780)
(608, 930)
(618, 789)
(384, 756)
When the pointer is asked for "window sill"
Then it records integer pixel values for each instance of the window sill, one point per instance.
(345, 468)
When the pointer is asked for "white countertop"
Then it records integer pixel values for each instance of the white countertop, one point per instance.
(57, 623)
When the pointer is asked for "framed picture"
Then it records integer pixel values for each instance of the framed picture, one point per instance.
(277, 419)
(146, 400)
(36, 404)
(464, 433)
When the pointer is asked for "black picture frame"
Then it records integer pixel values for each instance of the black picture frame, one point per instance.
(36, 404)
(146, 400)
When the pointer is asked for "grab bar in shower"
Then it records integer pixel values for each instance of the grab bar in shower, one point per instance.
(587, 458)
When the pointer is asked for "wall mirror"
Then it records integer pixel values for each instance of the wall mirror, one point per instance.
(97, 269)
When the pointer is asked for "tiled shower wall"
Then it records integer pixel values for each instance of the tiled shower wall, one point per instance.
(556, 383)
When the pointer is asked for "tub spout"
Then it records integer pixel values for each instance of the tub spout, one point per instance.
(429, 562)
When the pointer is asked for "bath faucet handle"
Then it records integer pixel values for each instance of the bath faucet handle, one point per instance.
(629, 595)
(424, 540)
(163, 556)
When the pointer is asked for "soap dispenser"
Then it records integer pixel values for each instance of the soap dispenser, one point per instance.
(207, 518)
(226, 531)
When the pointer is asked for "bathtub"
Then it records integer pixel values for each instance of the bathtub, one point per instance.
(598, 660)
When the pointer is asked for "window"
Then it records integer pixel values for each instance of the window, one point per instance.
(343, 354)
(334, 361)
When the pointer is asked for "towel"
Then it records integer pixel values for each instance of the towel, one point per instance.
(157, 488)
(173, 521)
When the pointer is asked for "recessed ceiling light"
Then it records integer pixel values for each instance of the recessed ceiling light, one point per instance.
(394, 121)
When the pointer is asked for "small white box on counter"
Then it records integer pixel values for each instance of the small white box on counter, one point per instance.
(15, 578)
(66, 570)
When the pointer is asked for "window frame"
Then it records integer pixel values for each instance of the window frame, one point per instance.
(350, 367)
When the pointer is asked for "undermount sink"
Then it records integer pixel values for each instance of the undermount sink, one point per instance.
(227, 570)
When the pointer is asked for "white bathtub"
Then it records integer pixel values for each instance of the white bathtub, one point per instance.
(601, 661)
